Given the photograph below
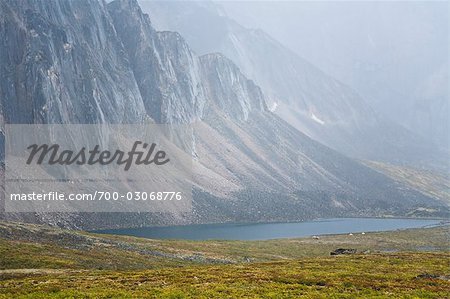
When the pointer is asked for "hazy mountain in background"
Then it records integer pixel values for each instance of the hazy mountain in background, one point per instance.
(84, 61)
(310, 100)
(394, 53)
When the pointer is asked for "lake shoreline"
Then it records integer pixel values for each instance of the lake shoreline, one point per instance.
(276, 230)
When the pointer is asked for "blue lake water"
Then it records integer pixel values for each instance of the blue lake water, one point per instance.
(265, 231)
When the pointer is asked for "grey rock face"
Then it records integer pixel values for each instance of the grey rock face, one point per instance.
(240, 144)
(227, 87)
(249, 164)
(165, 68)
(62, 62)
(174, 82)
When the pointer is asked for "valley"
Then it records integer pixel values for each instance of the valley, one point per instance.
(45, 262)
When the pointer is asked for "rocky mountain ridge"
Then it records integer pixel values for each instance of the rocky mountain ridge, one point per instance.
(91, 62)
(317, 104)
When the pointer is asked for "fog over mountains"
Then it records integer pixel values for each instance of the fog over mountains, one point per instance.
(315, 103)
(402, 46)
(274, 135)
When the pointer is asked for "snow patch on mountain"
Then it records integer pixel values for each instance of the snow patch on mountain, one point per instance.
(316, 119)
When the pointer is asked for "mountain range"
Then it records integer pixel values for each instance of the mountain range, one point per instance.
(317, 104)
(260, 154)
(395, 54)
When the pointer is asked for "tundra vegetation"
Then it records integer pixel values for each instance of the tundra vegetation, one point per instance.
(43, 262)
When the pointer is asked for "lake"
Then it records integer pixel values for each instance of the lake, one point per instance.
(265, 231)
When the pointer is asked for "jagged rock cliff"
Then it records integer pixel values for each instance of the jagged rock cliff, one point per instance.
(164, 67)
(99, 63)
(62, 62)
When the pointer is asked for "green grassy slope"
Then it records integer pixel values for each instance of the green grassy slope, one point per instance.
(43, 262)
(406, 275)
(61, 249)
(430, 183)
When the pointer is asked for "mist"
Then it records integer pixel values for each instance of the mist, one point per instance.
(394, 53)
